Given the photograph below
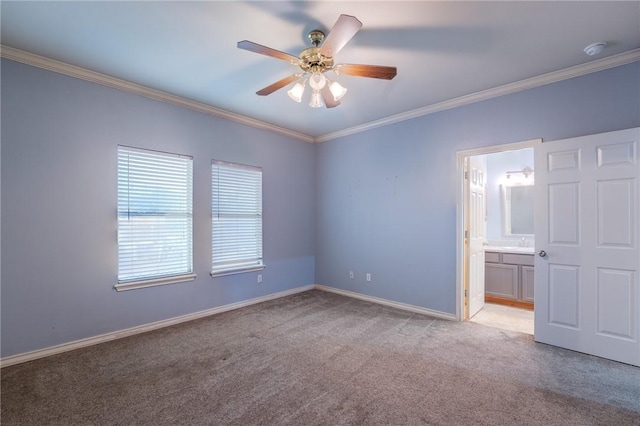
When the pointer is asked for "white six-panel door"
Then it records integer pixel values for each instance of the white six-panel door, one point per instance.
(587, 293)
(476, 180)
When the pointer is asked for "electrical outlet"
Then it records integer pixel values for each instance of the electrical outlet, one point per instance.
(259, 278)
(368, 276)
(351, 274)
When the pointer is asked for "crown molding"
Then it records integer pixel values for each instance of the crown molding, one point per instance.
(116, 83)
(530, 83)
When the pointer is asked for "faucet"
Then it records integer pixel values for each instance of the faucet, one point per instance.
(522, 243)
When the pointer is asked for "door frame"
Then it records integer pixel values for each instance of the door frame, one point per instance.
(461, 209)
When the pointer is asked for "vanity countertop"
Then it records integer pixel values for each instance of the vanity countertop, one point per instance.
(515, 249)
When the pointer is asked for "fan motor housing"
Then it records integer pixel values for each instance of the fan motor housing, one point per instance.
(311, 60)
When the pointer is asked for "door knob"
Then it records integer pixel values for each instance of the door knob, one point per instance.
(542, 253)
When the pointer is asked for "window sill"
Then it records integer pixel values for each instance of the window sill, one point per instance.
(236, 271)
(132, 285)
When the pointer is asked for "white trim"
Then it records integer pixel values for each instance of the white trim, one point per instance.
(116, 83)
(77, 344)
(512, 146)
(107, 337)
(386, 302)
(460, 203)
(530, 83)
(132, 285)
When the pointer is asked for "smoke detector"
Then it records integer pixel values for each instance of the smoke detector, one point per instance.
(595, 48)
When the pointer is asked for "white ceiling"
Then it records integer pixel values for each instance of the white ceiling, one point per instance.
(443, 50)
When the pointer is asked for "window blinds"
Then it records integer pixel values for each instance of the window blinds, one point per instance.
(236, 218)
(155, 209)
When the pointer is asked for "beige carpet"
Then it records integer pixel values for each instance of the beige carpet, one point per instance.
(317, 358)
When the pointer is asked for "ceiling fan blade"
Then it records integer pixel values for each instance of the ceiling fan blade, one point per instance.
(327, 96)
(277, 85)
(263, 50)
(343, 30)
(371, 71)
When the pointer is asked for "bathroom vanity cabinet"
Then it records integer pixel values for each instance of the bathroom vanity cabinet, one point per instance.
(509, 279)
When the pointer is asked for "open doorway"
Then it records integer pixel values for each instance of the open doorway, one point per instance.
(496, 240)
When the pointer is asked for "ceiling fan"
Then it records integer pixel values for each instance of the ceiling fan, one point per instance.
(315, 61)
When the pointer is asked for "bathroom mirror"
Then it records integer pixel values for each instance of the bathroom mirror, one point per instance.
(517, 201)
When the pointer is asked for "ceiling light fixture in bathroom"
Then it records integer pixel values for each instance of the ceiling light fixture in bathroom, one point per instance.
(526, 172)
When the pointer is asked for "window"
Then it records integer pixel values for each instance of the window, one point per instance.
(155, 218)
(236, 198)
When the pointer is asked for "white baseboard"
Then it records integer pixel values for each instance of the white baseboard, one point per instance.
(386, 302)
(77, 344)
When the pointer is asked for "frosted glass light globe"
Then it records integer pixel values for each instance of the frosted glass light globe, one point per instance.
(296, 92)
(316, 100)
(317, 81)
(337, 90)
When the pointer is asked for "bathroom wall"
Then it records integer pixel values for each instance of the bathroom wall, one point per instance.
(497, 166)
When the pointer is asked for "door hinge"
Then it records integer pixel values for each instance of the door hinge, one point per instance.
(466, 175)
(466, 233)
(466, 293)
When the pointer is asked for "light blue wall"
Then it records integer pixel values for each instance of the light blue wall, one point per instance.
(497, 165)
(386, 198)
(381, 201)
(59, 253)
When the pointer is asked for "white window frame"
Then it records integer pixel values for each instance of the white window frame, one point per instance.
(236, 218)
(148, 227)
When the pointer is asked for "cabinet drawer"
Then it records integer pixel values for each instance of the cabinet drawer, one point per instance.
(517, 259)
(492, 257)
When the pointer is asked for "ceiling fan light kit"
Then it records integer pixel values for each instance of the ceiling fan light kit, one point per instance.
(316, 100)
(317, 81)
(296, 92)
(315, 61)
(337, 90)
